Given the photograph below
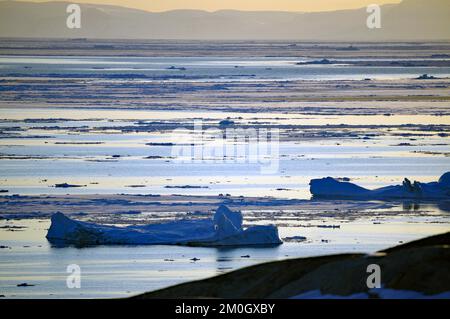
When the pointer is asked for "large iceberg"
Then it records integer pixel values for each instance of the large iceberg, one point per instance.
(333, 188)
(224, 229)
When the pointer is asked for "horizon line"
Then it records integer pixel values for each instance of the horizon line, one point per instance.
(190, 9)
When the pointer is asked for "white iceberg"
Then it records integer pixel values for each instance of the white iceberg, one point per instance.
(224, 229)
(334, 188)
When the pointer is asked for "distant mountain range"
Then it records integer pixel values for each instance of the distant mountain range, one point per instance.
(410, 20)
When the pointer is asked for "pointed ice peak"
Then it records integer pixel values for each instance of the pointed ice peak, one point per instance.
(227, 222)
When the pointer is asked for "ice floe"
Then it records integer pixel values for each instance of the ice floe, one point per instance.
(224, 229)
(334, 188)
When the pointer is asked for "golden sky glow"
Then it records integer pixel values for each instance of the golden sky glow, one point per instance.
(249, 5)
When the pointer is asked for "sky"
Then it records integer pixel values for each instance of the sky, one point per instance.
(248, 5)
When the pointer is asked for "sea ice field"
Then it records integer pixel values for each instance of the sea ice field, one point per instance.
(93, 137)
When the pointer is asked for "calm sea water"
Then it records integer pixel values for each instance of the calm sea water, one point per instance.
(119, 271)
(46, 151)
(59, 152)
(203, 68)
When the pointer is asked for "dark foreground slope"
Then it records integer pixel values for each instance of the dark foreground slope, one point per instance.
(421, 266)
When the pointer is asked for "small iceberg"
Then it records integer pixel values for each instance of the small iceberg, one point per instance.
(224, 229)
(323, 61)
(329, 187)
(426, 77)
